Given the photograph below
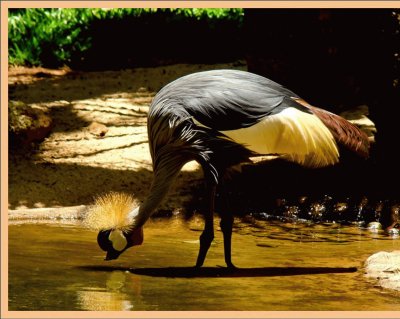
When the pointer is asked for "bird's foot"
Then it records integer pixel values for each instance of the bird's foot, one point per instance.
(231, 266)
(196, 267)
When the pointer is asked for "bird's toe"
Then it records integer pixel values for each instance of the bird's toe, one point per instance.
(231, 266)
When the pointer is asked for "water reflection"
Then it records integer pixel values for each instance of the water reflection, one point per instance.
(306, 231)
(113, 297)
(282, 265)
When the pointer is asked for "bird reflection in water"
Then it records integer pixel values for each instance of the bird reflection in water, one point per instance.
(113, 297)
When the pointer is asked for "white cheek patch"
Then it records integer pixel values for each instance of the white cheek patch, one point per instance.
(118, 240)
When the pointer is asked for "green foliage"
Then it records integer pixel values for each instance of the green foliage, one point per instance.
(53, 37)
(35, 34)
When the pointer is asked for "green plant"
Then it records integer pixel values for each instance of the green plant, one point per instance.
(53, 37)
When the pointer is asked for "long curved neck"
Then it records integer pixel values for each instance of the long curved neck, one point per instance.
(171, 140)
(164, 176)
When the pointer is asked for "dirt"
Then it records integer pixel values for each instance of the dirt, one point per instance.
(98, 142)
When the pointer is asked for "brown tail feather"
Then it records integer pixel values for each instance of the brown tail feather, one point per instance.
(342, 130)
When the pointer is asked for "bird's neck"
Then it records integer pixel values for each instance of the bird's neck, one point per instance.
(163, 179)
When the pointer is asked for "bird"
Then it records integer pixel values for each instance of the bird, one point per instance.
(221, 118)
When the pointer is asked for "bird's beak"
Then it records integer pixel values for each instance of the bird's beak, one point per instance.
(135, 238)
(112, 254)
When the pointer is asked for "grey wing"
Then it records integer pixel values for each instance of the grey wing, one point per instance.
(228, 99)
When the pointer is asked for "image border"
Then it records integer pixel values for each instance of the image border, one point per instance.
(5, 5)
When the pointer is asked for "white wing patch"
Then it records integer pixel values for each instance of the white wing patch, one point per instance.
(295, 135)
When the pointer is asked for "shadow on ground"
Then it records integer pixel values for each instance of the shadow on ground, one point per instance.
(256, 189)
(223, 272)
(45, 86)
(50, 184)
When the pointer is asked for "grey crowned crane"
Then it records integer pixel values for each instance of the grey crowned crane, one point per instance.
(221, 118)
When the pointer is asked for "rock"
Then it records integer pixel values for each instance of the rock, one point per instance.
(393, 232)
(97, 129)
(374, 226)
(385, 268)
(27, 124)
(47, 213)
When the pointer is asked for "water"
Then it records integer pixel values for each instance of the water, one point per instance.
(283, 266)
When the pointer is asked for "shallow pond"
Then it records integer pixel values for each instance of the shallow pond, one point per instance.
(282, 266)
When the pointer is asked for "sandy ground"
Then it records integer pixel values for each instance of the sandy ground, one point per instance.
(98, 142)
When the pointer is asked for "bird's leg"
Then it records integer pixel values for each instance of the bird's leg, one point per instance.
(208, 233)
(226, 227)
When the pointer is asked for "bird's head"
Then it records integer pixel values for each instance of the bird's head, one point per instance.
(115, 241)
(113, 215)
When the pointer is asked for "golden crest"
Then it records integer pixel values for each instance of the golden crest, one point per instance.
(110, 211)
